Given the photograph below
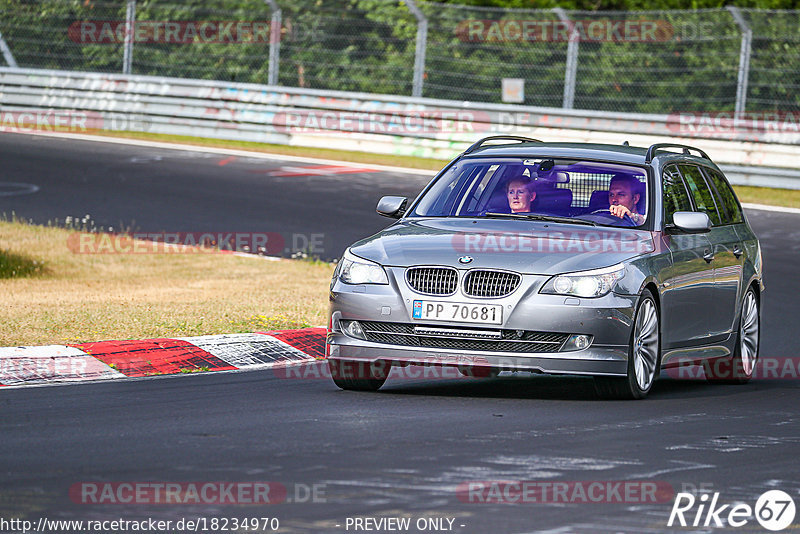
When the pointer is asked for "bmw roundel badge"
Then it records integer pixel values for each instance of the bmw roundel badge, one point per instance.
(465, 259)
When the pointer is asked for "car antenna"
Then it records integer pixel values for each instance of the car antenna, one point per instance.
(626, 144)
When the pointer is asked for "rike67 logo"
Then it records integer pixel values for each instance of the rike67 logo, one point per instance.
(774, 510)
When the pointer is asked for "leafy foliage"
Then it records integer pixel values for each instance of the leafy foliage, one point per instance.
(369, 46)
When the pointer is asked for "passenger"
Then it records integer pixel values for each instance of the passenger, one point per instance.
(623, 197)
(521, 194)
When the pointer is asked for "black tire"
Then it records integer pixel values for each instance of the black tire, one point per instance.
(644, 355)
(358, 375)
(739, 368)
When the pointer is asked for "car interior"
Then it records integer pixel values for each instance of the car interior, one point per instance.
(564, 189)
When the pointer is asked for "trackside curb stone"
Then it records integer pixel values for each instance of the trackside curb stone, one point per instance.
(110, 360)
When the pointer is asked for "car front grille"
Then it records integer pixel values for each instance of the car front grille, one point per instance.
(481, 283)
(433, 280)
(509, 340)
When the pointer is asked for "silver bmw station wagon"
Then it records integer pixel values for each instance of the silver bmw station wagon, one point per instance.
(615, 262)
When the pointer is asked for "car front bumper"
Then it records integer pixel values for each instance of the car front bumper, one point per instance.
(607, 319)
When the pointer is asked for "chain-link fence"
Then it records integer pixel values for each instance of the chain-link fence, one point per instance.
(649, 61)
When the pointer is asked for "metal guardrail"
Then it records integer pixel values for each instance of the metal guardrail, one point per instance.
(358, 121)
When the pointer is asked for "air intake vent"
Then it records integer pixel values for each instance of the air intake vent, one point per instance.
(433, 280)
(462, 338)
(481, 283)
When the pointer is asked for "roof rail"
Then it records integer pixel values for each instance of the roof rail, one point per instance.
(480, 143)
(651, 152)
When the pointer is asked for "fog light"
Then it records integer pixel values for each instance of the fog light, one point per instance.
(581, 342)
(577, 342)
(353, 329)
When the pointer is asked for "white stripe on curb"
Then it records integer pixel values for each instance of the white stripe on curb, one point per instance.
(248, 351)
(38, 365)
(59, 364)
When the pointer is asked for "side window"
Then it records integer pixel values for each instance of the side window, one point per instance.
(479, 191)
(441, 199)
(675, 196)
(701, 193)
(726, 195)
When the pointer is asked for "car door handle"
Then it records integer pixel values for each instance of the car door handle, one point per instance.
(737, 251)
(708, 255)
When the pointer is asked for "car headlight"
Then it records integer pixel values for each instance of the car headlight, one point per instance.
(587, 284)
(355, 270)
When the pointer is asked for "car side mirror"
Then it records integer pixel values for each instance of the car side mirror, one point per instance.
(691, 222)
(393, 207)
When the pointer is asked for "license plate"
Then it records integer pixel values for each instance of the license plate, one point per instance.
(433, 310)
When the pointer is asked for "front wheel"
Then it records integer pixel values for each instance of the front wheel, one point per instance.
(358, 375)
(644, 355)
(739, 368)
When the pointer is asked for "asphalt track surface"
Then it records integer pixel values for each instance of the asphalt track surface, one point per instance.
(153, 190)
(401, 452)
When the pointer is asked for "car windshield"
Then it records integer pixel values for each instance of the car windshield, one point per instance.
(566, 190)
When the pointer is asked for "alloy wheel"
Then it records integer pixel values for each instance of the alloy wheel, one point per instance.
(645, 344)
(748, 333)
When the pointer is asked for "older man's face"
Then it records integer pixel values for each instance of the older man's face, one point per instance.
(620, 194)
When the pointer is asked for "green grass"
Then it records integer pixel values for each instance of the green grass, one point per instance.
(58, 296)
(285, 150)
(764, 195)
(13, 265)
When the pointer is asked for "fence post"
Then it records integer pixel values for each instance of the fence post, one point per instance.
(274, 42)
(571, 70)
(421, 49)
(9, 57)
(127, 52)
(744, 59)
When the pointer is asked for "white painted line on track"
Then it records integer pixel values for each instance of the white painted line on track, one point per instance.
(765, 207)
(228, 152)
(281, 157)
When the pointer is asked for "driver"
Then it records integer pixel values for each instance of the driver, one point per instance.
(520, 194)
(623, 198)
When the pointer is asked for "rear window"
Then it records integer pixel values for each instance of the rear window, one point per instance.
(486, 187)
(701, 193)
(733, 211)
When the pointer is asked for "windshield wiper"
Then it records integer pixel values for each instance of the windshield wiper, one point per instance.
(539, 217)
(555, 218)
(506, 215)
